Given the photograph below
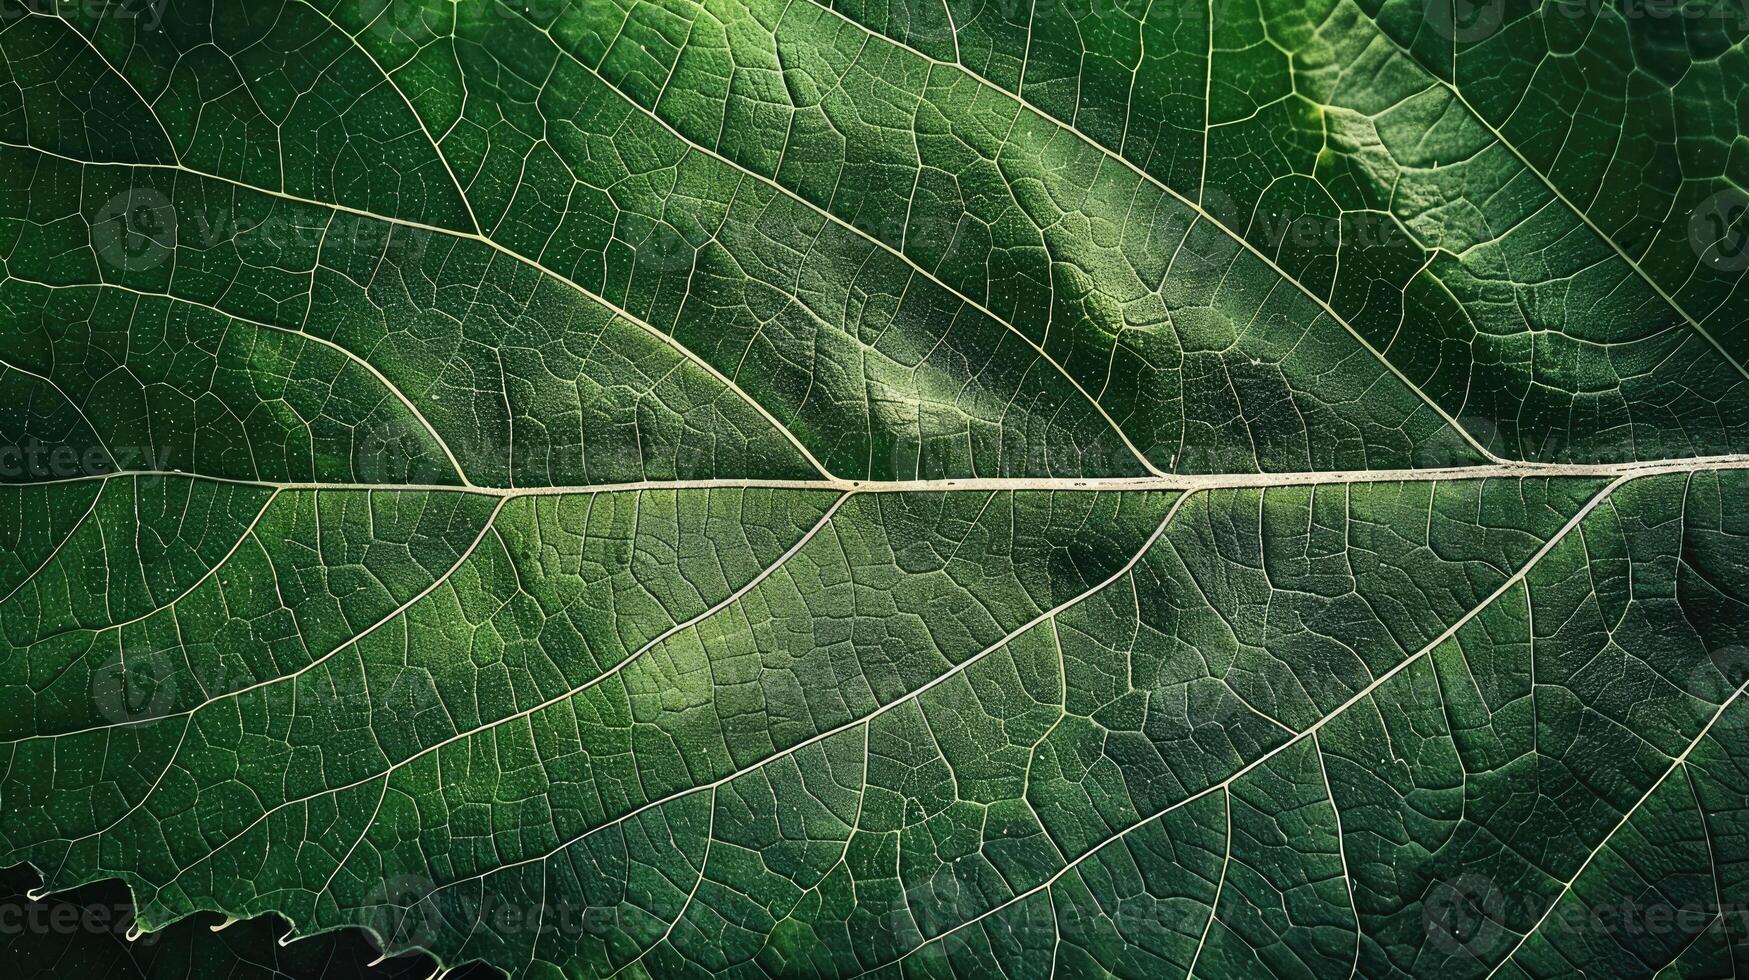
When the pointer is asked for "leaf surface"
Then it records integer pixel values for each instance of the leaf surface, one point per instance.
(728, 487)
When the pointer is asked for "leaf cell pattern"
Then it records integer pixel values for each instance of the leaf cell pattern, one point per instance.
(835, 488)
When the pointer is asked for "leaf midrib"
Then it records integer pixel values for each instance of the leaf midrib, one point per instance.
(1171, 481)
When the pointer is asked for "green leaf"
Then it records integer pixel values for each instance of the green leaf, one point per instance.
(729, 487)
(87, 933)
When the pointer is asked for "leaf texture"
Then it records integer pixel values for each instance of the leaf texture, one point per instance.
(661, 488)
